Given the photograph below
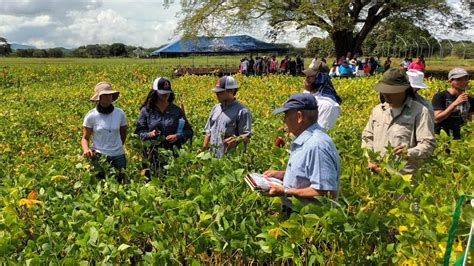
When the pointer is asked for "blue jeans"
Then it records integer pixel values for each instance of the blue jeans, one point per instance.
(119, 162)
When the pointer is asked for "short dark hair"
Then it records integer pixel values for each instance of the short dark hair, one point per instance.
(310, 115)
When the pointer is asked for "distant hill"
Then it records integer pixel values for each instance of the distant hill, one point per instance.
(16, 46)
(63, 49)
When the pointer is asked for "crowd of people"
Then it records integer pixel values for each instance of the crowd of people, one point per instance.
(344, 67)
(264, 66)
(403, 120)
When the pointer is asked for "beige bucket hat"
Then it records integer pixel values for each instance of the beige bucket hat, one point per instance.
(103, 88)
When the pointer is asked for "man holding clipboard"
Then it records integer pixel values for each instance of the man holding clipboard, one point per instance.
(314, 166)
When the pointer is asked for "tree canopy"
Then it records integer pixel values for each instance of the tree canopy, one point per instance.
(5, 47)
(347, 22)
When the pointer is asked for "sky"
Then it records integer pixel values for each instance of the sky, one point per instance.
(71, 23)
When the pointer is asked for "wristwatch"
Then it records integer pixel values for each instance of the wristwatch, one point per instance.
(286, 192)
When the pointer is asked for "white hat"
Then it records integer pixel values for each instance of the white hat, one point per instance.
(416, 79)
(225, 83)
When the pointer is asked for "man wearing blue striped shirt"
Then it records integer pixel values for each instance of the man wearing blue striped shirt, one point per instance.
(314, 166)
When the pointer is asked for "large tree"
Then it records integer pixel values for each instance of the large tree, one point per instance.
(348, 22)
(5, 48)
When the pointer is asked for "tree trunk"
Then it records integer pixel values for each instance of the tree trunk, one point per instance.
(344, 42)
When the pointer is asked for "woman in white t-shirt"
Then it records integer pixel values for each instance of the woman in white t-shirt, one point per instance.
(108, 126)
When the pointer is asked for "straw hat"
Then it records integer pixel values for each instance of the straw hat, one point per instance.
(104, 88)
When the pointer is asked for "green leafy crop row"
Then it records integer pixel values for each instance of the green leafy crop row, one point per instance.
(52, 209)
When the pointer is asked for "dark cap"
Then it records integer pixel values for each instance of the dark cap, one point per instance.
(301, 101)
(394, 80)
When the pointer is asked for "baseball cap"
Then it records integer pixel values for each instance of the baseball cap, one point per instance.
(225, 83)
(162, 85)
(456, 73)
(300, 101)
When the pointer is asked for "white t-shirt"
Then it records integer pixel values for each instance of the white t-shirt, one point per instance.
(328, 111)
(106, 131)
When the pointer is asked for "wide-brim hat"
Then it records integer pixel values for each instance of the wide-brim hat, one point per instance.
(162, 86)
(416, 79)
(225, 83)
(104, 88)
(394, 80)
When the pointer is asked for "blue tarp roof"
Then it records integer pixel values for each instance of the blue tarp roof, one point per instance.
(228, 44)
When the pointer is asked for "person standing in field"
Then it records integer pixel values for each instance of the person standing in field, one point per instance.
(230, 122)
(250, 68)
(373, 66)
(163, 123)
(284, 65)
(314, 166)
(417, 65)
(453, 107)
(320, 86)
(107, 125)
(273, 65)
(387, 63)
(401, 122)
(299, 65)
(244, 66)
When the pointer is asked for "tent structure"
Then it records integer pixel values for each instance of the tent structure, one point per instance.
(219, 45)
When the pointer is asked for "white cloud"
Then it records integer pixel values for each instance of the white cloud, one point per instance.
(142, 23)
(39, 21)
(39, 7)
(71, 23)
(40, 43)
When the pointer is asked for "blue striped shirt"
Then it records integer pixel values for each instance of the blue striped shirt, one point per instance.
(314, 162)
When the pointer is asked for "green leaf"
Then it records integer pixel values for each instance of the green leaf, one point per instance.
(93, 236)
(123, 247)
(348, 228)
